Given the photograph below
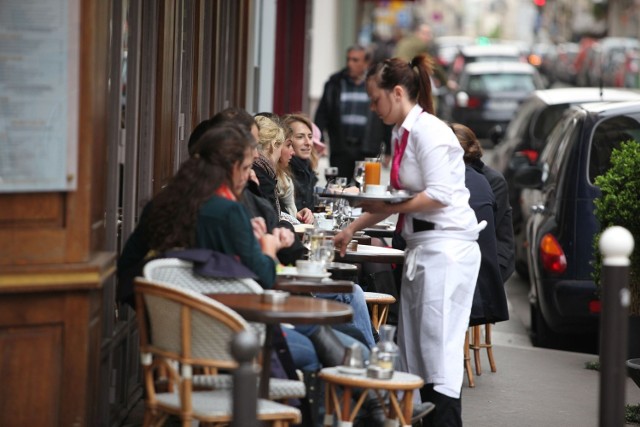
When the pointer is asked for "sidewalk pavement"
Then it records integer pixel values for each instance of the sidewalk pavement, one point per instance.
(533, 387)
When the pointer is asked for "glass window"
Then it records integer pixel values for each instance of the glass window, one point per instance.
(502, 82)
(609, 134)
(547, 119)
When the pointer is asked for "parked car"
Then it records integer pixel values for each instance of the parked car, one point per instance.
(489, 93)
(563, 295)
(602, 68)
(486, 53)
(447, 47)
(524, 139)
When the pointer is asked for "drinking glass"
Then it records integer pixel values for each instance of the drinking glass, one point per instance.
(341, 182)
(372, 168)
(330, 173)
(358, 173)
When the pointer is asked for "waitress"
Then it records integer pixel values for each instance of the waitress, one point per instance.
(440, 229)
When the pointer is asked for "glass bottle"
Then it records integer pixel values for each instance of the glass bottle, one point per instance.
(385, 353)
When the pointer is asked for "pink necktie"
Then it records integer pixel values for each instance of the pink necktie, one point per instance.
(395, 171)
(397, 159)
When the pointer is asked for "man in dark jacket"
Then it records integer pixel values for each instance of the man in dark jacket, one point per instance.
(354, 131)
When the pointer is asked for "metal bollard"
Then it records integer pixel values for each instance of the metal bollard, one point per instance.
(616, 244)
(244, 348)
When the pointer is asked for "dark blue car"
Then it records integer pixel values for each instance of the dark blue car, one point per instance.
(560, 231)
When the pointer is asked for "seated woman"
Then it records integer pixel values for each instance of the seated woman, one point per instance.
(298, 129)
(272, 148)
(199, 208)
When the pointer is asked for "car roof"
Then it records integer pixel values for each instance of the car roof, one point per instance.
(499, 67)
(611, 108)
(580, 95)
(491, 50)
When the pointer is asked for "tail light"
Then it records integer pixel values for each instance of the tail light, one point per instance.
(532, 155)
(465, 101)
(595, 306)
(553, 258)
(535, 60)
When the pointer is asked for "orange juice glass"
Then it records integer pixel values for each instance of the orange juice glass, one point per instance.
(372, 171)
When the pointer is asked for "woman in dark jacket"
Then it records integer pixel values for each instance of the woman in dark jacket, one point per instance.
(489, 299)
(298, 129)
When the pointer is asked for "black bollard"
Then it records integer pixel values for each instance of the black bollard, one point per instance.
(616, 244)
(244, 348)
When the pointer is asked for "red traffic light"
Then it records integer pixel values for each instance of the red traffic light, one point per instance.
(539, 3)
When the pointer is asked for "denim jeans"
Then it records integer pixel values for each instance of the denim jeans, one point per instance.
(302, 351)
(361, 319)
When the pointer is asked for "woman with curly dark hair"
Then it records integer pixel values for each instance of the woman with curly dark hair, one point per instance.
(199, 206)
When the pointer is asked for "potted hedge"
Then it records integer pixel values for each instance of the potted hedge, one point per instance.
(619, 204)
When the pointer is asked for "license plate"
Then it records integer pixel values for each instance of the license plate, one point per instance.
(502, 105)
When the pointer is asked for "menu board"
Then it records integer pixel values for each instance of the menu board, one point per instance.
(39, 89)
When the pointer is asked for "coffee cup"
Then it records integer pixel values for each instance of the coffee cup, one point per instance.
(309, 267)
(375, 189)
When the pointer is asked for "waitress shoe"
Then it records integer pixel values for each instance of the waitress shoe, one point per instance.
(329, 348)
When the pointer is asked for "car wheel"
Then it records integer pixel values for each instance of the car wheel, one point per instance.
(522, 268)
(541, 333)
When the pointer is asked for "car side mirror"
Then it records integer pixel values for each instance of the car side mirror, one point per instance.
(496, 133)
(528, 177)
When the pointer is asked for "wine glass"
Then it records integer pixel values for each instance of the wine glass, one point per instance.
(341, 182)
(330, 174)
(358, 173)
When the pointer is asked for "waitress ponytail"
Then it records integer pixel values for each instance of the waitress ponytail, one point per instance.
(412, 75)
(425, 69)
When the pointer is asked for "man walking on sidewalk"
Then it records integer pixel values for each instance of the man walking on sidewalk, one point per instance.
(354, 131)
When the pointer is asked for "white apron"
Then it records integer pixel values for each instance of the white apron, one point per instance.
(439, 278)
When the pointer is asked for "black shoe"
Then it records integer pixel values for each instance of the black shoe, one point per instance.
(374, 413)
(421, 410)
(329, 348)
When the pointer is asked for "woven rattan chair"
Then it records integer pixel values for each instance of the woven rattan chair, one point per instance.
(181, 328)
(176, 272)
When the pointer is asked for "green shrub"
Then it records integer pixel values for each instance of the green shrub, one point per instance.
(619, 204)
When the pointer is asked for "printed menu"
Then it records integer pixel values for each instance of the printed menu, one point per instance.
(39, 89)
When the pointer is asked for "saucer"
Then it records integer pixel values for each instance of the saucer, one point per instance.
(351, 371)
(293, 273)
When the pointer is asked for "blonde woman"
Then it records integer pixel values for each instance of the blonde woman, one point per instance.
(270, 143)
(285, 189)
(299, 131)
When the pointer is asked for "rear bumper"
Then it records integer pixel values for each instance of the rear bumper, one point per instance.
(565, 305)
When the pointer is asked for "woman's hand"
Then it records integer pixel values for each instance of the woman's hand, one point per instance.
(305, 215)
(284, 236)
(342, 239)
(259, 227)
(253, 177)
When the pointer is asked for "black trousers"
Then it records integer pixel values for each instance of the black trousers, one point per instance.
(448, 411)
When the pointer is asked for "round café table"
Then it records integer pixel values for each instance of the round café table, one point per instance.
(319, 287)
(380, 232)
(399, 408)
(295, 310)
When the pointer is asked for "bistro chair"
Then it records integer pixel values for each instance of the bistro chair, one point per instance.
(477, 344)
(176, 272)
(379, 307)
(181, 330)
(467, 361)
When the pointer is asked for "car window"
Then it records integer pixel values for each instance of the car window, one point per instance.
(519, 126)
(546, 120)
(501, 82)
(609, 134)
(558, 142)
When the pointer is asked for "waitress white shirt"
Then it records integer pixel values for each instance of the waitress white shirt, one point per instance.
(433, 163)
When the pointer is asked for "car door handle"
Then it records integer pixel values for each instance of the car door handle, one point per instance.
(537, 209)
